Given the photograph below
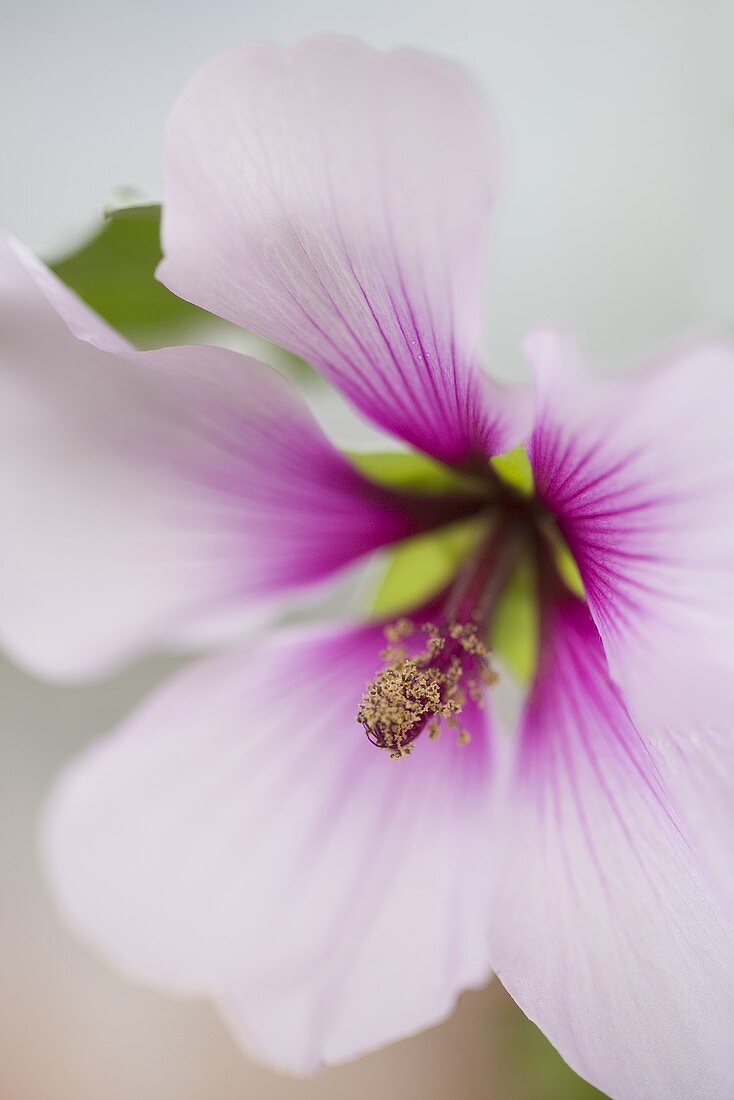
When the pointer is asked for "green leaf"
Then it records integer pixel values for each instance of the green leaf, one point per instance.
(421, 566)
(409, 471)
(569, 570)
(515, 625)
(129, 203)
(564, 559)
(114, 273)
(526, 1063)
(514, 468)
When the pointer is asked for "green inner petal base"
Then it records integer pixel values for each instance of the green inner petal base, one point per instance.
(423, 566)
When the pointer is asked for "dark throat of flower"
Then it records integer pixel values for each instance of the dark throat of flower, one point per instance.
(432, 668)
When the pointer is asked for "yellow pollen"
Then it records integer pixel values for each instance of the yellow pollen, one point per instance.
(417, 692)
(403, 628)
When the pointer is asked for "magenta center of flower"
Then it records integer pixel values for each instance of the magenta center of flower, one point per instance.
(435, 663)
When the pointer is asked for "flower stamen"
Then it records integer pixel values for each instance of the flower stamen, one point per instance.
(426, 689)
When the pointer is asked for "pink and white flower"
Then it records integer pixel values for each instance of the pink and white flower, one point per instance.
(239, 836)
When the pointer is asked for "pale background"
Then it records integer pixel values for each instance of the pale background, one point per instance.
(615, 217)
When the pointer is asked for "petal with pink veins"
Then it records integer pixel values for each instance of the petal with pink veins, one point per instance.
(605, 925)
(148, 497)
(335, 200)
(239, 837)
(639, 472)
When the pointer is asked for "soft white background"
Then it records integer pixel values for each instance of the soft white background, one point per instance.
(615, 214)
(615, 217)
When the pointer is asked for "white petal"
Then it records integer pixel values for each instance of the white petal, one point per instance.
(605, 925)
(148, 497)
(240, 837)
(335, 199)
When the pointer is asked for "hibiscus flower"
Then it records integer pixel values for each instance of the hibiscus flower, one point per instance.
(325, 829)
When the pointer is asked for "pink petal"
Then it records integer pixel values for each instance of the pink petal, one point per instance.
(146, 496)
(335, 200)
(640, 473)
(239, 837)
(604, 926)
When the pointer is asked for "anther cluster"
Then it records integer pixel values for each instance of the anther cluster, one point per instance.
(424, 689)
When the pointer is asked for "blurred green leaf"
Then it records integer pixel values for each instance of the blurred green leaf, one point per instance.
(127, 204)
(529, 1067)
(421, 566)
(564, 559)
(568, 569)
(515, 626)
(514, 468)
(409, 471)
(114, 273)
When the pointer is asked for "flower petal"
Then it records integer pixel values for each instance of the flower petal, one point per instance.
(604, 926)
(640, 473)
(240, 837)
(335, 200)
(147, 494)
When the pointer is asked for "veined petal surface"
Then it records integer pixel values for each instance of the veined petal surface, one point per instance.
(147, 496)
(335, 200)
(639, 472)
(239, 837)
(606, 925)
